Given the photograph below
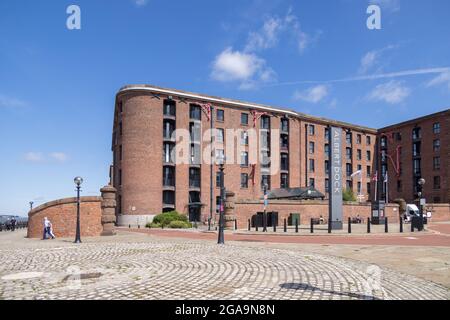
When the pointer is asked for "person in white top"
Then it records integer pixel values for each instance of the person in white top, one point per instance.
(48, 229)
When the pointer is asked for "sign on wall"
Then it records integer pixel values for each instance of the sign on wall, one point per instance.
(335, 206)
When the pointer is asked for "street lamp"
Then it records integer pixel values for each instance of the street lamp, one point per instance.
(265, 208)
(221, 237)
(31, 205)
(78, 181)
(421, 183)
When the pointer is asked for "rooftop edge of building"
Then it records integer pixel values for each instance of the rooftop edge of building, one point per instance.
(243, 104)
(418, 119)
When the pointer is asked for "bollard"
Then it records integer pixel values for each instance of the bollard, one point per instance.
(256, 226)
(285, 225)
(412, 225)
(235, 224)
(368, 225)
(274, 223)
(129, 226)
(312, 225)
(349, 225)
(401, 225)
(249, 225)
(139, 226)
(296, 225)
(386, 225)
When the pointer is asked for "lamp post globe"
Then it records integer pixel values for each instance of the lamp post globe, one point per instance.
(78, 181)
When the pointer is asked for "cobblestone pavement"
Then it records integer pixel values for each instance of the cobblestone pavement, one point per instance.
(131, 266)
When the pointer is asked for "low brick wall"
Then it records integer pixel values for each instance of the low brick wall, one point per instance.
(63, 214)
(439, 212)
(244, 210)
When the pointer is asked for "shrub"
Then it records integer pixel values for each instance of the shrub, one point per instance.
(348, 195)
(164, 219)
(179, 225)
(153, 225)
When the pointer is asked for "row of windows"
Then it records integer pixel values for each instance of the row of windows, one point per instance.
(348, 136)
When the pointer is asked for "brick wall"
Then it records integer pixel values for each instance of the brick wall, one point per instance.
(440, 212)
(62, 214)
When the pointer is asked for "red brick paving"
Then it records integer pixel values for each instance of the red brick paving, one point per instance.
(413, 239)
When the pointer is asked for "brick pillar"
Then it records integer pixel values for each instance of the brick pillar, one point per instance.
(108, 210)
(229, 210)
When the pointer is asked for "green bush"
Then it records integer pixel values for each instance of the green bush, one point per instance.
(348, 195)
(179, 225)
(153, 225)
(164, 219)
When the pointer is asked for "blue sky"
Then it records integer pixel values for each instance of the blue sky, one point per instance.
(57, 86)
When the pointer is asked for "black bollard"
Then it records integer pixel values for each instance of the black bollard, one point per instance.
(312, 225)
(401, 225)
(129, 226)
(256, 226)
(386, 225)
(249, 225)
(349, 225)
(412, 225)
(296, 225)
(368, 225)
(285, 225)
(235, 224)
(274, 223)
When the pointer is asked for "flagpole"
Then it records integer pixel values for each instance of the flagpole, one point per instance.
(376, 185)
(387, 188)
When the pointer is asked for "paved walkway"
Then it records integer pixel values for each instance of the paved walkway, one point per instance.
(135, 266)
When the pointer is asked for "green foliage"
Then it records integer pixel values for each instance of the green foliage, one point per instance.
(179, 225)
(348, 195)
(153, 225)
(164, 219)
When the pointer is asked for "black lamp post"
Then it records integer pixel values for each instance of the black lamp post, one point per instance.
(31, 205)
(78, 181)
(421, 183)
(221, 237)
(265, 209)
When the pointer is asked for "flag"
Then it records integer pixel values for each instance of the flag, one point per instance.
(386, 177)
(375, 176)
(359, 172)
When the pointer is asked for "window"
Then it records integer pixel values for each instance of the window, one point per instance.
(284, 125)
(284, 141)
(417, 167)
(120, 128)
(217, 179)
(194, 177)
(348, 153)
(327, 167)
(436, 128)
(312, 182)
(327, 185)
(265, 122)
(368, 155)
(327, 134)
(220, 154)
(220, 115)
(368, 140)
(369, 171)
(383, 142)
(195, 112)
(168, 154)
(399, 186)
(169, 108)
(348, 137)
(168, 129)
(311, 165)
(169, 176)
(416, 133)
(369, 188)
(284, 181)
(195, 131)
(436, 163)
(327, 150)
(120, 177)
(244, 159)
(349, 185)
(348, 169)
(359, 187)
(437, 183)
(244, 119)
(359, 167)
(416, 149)
(398, 136)
(220, 135)
(265, 181)
(244, 180)
(311, 147)
(358, 154)
(358, 139)
(120, 152)
(311, 129)
(244, 138)
(120, 107)
(284, 161)
(169, 197)
(436, 145)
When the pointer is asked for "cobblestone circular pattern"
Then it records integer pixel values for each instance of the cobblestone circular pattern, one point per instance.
(158, 269)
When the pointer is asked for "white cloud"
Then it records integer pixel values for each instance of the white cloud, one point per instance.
(443, 78)
(34, 157)
(8, 102)
(140, 3)
(59, 156)
(392, 92)
(372, 58)
(248, 68)
(313, 94)
(390, 5)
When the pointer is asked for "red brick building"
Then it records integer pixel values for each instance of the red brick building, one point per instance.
(150, 179)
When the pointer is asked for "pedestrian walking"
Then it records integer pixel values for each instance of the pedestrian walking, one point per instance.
(48, 229)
